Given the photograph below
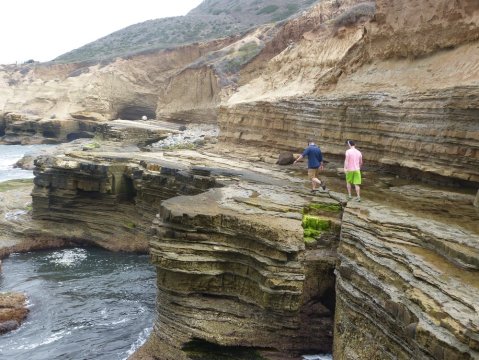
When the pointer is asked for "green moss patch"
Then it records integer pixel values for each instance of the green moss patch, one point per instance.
(335, 208)
(316, 223)
(313, 227)
(13, 184)
(91, 146)
(130, 225)
(323, 209)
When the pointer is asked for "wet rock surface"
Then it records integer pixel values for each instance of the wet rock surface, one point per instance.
(13, 311)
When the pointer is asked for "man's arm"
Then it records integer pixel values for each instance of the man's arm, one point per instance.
(299, 158)
(346, 162)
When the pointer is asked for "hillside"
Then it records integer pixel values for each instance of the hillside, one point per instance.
(211, 19)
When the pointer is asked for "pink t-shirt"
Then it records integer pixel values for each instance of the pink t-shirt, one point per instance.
(354, 160)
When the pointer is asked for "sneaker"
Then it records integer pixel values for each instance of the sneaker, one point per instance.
(349, 197)
(314, 191)
(358, 199)
(323, 185)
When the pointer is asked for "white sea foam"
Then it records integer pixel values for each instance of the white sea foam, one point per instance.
(140, 341)
(14, 215)
(10, 154)
(318, 357)
(112, 323)
(69, 257)
(52, 338)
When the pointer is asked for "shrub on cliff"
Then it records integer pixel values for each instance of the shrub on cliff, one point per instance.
(356, 13)
(210, 20)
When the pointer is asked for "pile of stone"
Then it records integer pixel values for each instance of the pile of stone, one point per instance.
(193, 135)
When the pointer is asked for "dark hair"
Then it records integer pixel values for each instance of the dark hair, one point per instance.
(350, 142)
(310, 140)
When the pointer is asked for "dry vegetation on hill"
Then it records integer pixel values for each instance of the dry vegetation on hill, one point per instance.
(211, 19)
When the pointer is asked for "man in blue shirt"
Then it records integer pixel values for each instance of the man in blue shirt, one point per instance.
(315, 163)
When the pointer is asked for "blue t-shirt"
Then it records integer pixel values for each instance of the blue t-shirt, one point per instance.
(314, 156)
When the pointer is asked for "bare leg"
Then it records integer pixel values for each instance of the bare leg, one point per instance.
(358, 190)
(348, 186)
(315, 181)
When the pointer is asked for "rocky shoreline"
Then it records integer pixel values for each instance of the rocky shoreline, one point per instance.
(251, 264)
(243, 251)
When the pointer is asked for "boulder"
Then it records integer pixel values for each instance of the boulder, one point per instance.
(12, 311)
(286, 158)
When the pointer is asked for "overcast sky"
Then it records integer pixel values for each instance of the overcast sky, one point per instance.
(44, 29)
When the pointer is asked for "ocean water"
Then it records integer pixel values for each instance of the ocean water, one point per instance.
(10, 154)
(318, 357)
(84, 304)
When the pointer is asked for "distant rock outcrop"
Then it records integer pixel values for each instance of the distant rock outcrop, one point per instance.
(13, 311)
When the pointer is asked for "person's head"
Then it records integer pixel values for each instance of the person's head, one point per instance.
(350, 143)
(310, 141)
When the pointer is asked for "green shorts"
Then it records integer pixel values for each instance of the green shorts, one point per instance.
(353, 177)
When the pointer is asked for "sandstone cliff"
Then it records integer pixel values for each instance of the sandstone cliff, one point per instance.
(236, 269)
(240, 272)
(233, 269)
(353, 82)
(72, 99)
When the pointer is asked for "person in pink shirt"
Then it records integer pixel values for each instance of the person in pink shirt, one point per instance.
(352, 168)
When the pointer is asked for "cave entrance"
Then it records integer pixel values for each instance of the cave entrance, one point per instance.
(136, 113)
(79, 135)
(125, 189)
(49, 134)
(198, 349)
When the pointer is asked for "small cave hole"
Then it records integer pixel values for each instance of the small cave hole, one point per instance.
(49, 134)
(136, 113)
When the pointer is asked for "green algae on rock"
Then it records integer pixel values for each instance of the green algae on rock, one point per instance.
(13, 184)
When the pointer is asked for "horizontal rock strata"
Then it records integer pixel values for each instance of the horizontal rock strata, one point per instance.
(233, 271)
(407, 287)
(417, 131)
(16, 128)
(108, 200)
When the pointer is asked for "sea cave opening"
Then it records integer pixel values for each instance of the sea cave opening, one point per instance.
(136, 112)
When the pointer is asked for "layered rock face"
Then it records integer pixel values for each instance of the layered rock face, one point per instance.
(68, 96)
(106, 199)
(27, 129)
(435, 140)
(407, 287)
(13, 311)
(233, 271)
(417, 114)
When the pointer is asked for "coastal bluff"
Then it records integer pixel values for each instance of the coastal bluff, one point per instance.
(250, 264)
(240, 271)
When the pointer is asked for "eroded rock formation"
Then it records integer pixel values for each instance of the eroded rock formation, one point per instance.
(233, 271)
(237, 271)
(350, 82)
(406, 287)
